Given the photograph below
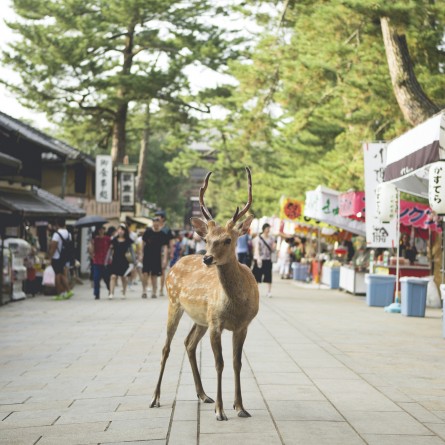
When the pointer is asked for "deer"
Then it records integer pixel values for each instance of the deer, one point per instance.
(217, 292)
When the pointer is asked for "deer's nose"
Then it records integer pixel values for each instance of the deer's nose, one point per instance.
(208, 259)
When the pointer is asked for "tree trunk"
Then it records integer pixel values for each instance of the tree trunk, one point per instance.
(412, 100)
(118, 149)
(143, 155)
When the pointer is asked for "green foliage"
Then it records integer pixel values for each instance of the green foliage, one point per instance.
(80, 61)
(314, 90)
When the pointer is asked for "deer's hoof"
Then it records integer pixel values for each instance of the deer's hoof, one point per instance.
(221, 415)
(155, 403)
(243, 413)
(205, 398)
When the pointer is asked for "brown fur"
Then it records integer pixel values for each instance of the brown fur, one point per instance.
(223, 295)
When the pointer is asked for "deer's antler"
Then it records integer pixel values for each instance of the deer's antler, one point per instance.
(202, 190)
(238, 215)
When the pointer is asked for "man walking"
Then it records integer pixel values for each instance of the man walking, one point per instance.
(170, 246)
(57, 253)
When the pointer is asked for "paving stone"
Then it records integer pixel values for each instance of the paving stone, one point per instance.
(318, 433)
(317, 369)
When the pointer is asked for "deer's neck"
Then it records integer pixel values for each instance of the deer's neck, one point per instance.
(231, 279)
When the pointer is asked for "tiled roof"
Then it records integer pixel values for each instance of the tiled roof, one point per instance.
(37, 203)
(11, 125)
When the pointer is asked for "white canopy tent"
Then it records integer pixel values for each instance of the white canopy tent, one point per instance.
(409, 156)
(322, 204)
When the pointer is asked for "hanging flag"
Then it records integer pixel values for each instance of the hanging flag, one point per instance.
(378, 234)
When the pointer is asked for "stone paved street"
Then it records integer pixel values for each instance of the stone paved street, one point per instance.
(319, 367)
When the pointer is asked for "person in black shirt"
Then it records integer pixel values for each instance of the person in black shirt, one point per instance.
(155, 247)
(120, 245)
(170, 246)
(407, 250)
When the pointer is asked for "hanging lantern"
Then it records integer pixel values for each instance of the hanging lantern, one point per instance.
(386, 196)
(436, 187)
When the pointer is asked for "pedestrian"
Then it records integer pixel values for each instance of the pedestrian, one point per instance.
(263, 246)
(169, 251)
(99, 246)
(155, 256)
(178, 249)
(58, 254)
(200, 244)
(284, 257)
(243, 249)
(120, 251)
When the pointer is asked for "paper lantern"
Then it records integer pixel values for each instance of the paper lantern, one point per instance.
(436, 187)
(387, 205)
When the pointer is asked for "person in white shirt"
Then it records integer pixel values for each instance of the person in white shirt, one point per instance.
(263, 246)
(57, 263)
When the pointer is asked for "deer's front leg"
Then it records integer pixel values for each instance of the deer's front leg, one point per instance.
(215, 340)
(238, 342)
(191, 342)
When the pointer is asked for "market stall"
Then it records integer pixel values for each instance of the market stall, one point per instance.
(410, 156)
(415, 220)
(323, 204)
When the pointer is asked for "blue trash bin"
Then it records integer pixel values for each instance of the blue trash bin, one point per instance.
(413, 296)
(379, 289)
(295, 270)
(304, 272)
(335, 278)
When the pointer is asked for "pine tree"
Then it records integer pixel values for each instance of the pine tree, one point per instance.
(86, 62)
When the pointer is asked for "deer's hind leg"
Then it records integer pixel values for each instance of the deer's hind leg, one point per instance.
(191, 342)
(175, 312)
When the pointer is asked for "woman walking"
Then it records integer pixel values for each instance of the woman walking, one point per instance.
(121, 246)
(264, 245)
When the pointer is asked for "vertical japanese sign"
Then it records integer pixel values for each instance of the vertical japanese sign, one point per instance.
(436, 187)
(104, 178)
(378, 234)
(127, 191)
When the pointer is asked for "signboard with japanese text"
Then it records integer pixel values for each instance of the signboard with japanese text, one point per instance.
(436, 187)
(127, 190)
(104, 178)
(378, 234)
(322, 204)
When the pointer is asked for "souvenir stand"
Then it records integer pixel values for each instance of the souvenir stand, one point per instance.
(415, 165)
(323, 204)
(293, 223)
(415, 220)
(411, 156)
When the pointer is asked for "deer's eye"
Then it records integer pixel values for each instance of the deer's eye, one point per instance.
(227, 241)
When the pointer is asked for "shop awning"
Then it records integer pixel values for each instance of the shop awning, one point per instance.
(412, 214)
(10, 161)
(409, 156)
(322, 204)
(37, 203)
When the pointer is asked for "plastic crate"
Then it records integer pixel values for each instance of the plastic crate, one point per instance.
(379, 289)
(413, 296)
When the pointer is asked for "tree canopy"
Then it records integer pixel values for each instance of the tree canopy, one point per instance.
(318, 80)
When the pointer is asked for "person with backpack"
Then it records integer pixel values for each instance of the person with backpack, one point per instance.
(60, 252)
(263, 247)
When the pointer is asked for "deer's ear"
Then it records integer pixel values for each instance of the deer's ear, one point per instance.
(200, 226)
(243, 227)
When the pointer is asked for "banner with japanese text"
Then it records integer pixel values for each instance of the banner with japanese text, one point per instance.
(104, 178)
(322, 204)
(378, 234)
